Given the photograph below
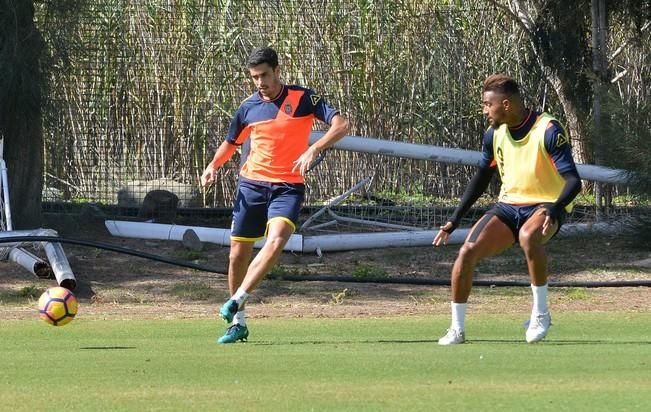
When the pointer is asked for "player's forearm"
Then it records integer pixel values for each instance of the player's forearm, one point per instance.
(476, 188)
(224, 152)
(570, 190)
(338, 129)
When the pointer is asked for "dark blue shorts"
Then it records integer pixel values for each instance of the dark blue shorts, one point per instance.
(257, 203)
(515, 216)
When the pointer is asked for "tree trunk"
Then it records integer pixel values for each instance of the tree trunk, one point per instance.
(20, 110)
(567, 81)
(574, 121)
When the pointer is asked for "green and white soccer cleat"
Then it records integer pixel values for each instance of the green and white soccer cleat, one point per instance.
(234, 333)
(228, 310)
(538, 327)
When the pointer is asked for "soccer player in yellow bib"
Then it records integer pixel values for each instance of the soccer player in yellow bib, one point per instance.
(531, 152)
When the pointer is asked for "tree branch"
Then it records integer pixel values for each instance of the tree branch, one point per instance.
(518, 15)
(628, 41)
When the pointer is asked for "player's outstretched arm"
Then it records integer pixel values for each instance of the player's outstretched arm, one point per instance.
(224, 152)
(476, 187)
(339, 126)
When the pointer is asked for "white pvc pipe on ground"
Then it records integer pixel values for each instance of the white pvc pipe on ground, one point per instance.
(296, 243)
(142, 230)
(354, 241)
(54, 251)
(323, 243)
(58, 261)
(30, 262)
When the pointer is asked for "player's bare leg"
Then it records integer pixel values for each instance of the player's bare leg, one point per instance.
(532, 241)
(488, 237)
(239, 259)
(278, 233)
(238, 263)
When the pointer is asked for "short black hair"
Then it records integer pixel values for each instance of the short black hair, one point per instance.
(264, 54)
(501, 83)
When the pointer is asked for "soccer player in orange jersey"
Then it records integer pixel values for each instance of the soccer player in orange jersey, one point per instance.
(531, 152)
(277, 120)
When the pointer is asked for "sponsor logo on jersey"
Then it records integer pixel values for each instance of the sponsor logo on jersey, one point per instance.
(315, 99)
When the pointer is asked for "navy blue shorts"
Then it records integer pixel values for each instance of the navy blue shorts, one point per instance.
(515, 216)
(258, 203)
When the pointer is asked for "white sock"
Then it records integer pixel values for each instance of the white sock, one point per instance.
(539, 299)
(458, 316)
(240, 318)
(240, 296)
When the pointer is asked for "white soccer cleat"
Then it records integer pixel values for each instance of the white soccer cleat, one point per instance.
(538, 327)
(453, 337)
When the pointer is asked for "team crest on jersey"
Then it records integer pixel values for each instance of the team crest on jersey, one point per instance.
(288, 108)
(561, 140)
(315, 99)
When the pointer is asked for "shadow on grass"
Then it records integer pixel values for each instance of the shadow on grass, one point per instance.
(341, 342)
(435, 341)
(107, 347)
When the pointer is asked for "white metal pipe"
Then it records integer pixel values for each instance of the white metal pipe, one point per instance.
(370, 222)
(32, 263)
(454, 156)
(5, 193)
(296, 243)
(354, 241)
(143, 230)
(54, 251)
(325, 243)
(322, 225)
(59, 262)
(335, 202)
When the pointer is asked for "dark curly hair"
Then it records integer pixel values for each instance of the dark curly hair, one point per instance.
(264, 54)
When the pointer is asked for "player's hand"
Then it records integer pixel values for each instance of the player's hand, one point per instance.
(208, 176)
(547, 224)
(551, 215)
(443, 234)
(305, 160)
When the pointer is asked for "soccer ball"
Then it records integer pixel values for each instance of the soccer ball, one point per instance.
(57, 306)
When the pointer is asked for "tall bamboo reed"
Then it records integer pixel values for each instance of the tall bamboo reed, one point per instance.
(145, 89)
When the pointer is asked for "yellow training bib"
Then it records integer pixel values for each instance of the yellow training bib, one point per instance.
(527, 171)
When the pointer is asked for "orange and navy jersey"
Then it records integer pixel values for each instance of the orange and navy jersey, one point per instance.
(279, 132)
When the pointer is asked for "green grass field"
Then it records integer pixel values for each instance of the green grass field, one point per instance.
(589, 362)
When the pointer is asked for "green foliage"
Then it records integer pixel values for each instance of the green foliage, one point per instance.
(144, 90)
(368, 270)
(577, 294)
(31, 291)
(340, 297)
(25, 294)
